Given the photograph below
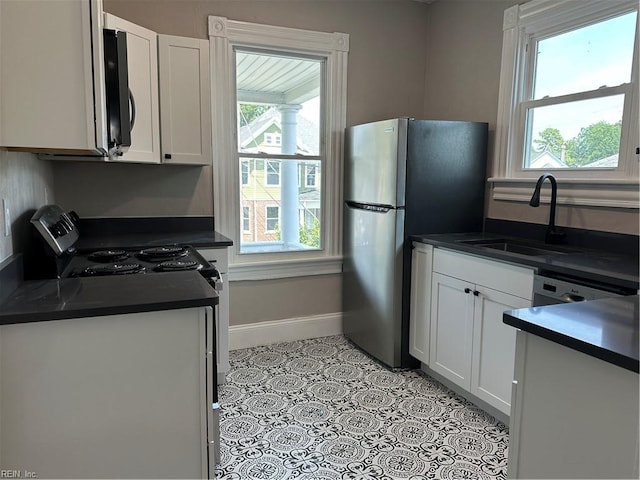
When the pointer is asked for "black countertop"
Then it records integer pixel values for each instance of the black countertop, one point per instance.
(606, 329)
(42, 300)
(595, 265)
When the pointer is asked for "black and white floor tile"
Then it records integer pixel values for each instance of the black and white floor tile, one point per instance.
(321, 409)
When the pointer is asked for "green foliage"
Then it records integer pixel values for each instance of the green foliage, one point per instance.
(250, 111)
(310, 236)
(595, 142)
(550, 139)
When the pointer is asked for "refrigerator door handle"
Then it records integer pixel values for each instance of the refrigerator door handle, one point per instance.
(368, 206)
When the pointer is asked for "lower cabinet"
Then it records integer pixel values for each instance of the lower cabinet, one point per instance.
(118, 396)
(467, 342)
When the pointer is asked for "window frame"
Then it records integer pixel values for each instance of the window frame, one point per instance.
(308, 167)
(224, 36)
(523, 26)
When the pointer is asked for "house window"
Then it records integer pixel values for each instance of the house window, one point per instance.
(244, 172)
(310, 176)
(284, 90)
(569, 100)
(273, 139)
(272, 218)
(272, 172)
(246, 219)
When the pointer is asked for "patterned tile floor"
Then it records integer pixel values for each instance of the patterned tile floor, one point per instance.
(322, 409)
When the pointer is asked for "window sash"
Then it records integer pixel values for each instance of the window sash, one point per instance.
(524, 25)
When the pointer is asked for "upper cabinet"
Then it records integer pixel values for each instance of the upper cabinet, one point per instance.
(56, 86)
(185, 100)
(142, 62)
(52, 91)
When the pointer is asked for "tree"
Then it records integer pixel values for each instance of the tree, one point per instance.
(250, 111)
(550, 139)
(595, 142)
(310, 235)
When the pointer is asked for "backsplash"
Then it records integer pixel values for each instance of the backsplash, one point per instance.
(24, 182)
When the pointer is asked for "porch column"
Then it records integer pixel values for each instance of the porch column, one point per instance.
(289, 228)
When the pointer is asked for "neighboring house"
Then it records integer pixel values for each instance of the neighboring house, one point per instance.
(546, 159)
(261, 179)
(607, 162)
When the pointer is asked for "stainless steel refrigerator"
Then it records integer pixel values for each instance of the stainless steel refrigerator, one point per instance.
(402, 177)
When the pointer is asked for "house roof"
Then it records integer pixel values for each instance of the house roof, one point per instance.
(308, 138)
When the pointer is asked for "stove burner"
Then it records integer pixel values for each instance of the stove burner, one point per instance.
(177, 265)
(108, 256)
(113, 269)
(159, 253)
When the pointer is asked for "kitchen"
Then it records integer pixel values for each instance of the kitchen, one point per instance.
(449, 68)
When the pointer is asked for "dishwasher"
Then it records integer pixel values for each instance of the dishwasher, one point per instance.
(550, 288)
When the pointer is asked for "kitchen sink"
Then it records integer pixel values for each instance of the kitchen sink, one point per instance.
(514, 246)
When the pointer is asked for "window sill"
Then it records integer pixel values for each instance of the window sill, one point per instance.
(585, 193)
(285, 269)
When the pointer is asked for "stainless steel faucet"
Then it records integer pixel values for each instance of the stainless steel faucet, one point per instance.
(553, 235)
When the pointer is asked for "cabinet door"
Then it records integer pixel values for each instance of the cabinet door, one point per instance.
(142, 62)
(420, 309)
(52, 76)
(451, 329)
(494, 346)
(185, 100)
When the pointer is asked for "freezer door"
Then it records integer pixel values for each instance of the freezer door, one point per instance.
(375, 162)
(372, 283)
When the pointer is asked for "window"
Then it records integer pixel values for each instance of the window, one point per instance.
(273, 139)
(310, 176)
(272, 172)
(568, 101)
(246, 219)
(284, 90)
(272, 218)
(244, 172)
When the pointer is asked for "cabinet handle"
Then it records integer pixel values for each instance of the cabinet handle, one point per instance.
(467, 290)
(476, 293)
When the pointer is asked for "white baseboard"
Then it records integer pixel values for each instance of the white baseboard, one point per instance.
(287, 330)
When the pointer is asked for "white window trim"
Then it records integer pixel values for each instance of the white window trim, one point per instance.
(224, 35)
(509, 183)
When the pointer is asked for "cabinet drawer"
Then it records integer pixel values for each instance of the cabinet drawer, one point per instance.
(500, 276)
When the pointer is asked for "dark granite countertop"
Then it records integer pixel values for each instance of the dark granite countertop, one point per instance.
(606, 329)
(42, 300)
(595, 265)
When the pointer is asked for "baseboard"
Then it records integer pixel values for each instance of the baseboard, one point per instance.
(287, 330)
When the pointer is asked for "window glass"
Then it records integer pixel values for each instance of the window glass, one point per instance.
(579, 87)
(246, 219)
(586, 58)
(582, 134)
(279, 100)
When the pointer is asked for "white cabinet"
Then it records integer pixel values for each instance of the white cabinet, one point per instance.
(469, 344)
(119, 396)
(420, 314)
(52, 76)
(574, 415)
(185, 100)
(142, 62)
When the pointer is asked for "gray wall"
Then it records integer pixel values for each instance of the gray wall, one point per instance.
(23, 180)
(438, 60)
